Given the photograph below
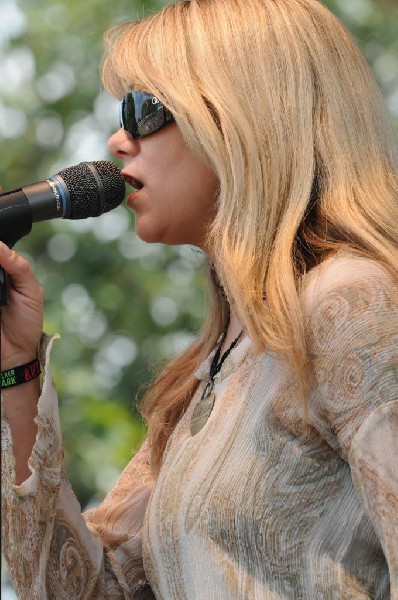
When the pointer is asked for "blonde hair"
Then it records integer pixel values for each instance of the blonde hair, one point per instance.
(276, 98)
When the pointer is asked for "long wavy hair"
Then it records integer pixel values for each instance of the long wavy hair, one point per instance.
(277, 99)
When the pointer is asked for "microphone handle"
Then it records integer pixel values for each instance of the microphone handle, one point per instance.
(21, 207)
(15, 216)
(3, 288)
(15, 222)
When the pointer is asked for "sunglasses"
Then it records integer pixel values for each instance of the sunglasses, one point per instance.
(143, 114)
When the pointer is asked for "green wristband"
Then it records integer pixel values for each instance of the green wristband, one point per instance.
(21, 374)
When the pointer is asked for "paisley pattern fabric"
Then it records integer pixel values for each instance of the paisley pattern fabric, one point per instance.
(259, 504)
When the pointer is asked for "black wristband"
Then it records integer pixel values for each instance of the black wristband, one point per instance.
(21, 374)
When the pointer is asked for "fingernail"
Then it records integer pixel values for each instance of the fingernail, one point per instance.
(4, 249)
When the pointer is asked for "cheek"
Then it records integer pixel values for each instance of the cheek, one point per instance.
(186, 192)
(199, 181)
(181, 197)
(195, 198)
(205, 194)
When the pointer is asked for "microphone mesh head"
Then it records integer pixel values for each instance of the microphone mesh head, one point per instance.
(92, 194)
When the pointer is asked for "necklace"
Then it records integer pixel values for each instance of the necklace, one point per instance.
(204, 407)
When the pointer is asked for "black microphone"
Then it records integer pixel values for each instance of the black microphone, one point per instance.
(88, 189)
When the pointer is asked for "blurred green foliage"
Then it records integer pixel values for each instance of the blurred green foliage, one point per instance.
(120, 306)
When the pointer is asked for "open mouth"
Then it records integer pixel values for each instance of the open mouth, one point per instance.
(135, 183)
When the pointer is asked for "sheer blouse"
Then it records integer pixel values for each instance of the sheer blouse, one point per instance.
(254, 506)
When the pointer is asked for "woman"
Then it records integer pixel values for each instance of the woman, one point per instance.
(254, 130)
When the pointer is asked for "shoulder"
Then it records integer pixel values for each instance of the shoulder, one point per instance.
(350, 295)
(351, 277)
(350, 302)
(351, 309)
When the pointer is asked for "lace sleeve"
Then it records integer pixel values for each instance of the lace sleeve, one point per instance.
(353, 327)
(52, 550)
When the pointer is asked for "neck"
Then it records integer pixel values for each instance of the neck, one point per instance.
(234, 328)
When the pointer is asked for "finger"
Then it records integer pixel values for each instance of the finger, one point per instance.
(17, 268)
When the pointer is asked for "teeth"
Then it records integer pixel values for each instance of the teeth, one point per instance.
(135, 183)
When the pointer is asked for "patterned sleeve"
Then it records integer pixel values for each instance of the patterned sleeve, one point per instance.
(353, 327)
(52, 550)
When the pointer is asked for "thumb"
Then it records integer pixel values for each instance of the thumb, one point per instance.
(19, 269)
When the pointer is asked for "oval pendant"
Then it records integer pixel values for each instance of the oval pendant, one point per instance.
(202, 412)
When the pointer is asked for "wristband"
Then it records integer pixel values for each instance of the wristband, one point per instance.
(21, 374)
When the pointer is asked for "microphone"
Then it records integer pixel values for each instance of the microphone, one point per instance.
(88, 189)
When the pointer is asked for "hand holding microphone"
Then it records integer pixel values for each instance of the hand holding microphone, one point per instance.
(78, 192)
(22, 318)
(86, 190)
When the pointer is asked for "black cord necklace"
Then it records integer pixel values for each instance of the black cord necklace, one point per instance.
(204, 407)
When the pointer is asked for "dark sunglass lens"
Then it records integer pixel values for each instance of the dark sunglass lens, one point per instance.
(127, 115)
(151, 123)
(142, 114)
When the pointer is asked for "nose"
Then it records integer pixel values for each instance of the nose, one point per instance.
(122, 144)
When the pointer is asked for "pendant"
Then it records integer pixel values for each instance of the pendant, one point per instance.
(202, 410)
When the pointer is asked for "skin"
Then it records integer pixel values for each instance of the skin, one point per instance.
(175, 206)
(177, 203)
(21, 327)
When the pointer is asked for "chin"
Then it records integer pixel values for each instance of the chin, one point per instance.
(157, 235)
(144, 231)
(148, 237)
(151, 235)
